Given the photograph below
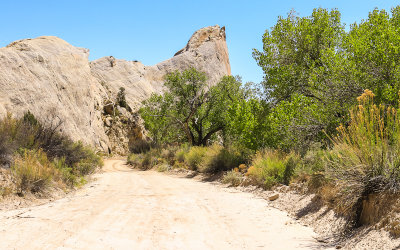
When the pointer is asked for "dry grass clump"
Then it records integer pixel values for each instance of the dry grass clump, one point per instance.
(149, 161)
(311, 169)
(145, 161)
(134, 159)
(394, 228)
(270, 167)
(329, 194)
(33, 171)
(195, 157)
(180, 154)
(234, 178)
(163, 167)
(5, 191)
(7, 185)
(168, 154)
(218, 158)
(180, 165)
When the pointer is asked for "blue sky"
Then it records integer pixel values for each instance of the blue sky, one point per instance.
(152, 31)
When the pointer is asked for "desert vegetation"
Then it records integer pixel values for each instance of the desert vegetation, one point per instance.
(325, 116)
(38, 156)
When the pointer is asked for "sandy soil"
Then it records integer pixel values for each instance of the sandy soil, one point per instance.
(128, 209)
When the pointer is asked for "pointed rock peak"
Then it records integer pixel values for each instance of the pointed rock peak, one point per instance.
(207, 34)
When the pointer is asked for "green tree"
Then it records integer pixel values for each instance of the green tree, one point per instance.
(294, 49)
(374, 47)
(306, 70)
(248, 120)
(189, 110)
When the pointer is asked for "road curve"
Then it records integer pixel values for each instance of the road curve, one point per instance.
(129, 209)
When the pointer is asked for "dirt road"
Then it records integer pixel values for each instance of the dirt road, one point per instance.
(128, 209)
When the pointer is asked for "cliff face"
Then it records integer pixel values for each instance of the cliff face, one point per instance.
(55, 80)
(52, 78)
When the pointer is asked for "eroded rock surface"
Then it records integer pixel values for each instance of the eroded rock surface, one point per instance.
(55, 80)
(52, 78)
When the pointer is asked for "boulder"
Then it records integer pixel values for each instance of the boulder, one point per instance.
(108, 121)
(273, 197)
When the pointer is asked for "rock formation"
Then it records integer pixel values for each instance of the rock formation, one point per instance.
(206, 51)
(55, 80)
(52, 78)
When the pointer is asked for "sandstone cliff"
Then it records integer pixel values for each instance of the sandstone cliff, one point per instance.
(52, 78)
(55, 80)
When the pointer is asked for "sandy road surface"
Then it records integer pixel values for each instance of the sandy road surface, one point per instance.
(128, 209)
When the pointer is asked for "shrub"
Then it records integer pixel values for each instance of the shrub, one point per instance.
(180, 154)
(65, 171)
(311, 169)
(243, 154)
(135, 159)
(232, 177)
(89, 163)
(145, 161)
(267, 168)
(290, 166)
(163, 167)
(32, 171)
(365, 157)
(149, 160)
(242, 168)
(6, 148)
(121, 97)
(272, 167)
(316, 181)
(370, 145)
(312, 162)
(139, 146)
(12, 135)
(57, 145)
(81, 158)
(169, 154)
(181, 165)
(195, 157)
(217, 158)
(56, 155)
(72, 158)
(30, 119)
(31, 134)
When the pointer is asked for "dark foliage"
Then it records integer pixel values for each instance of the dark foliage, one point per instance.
(139, 146)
